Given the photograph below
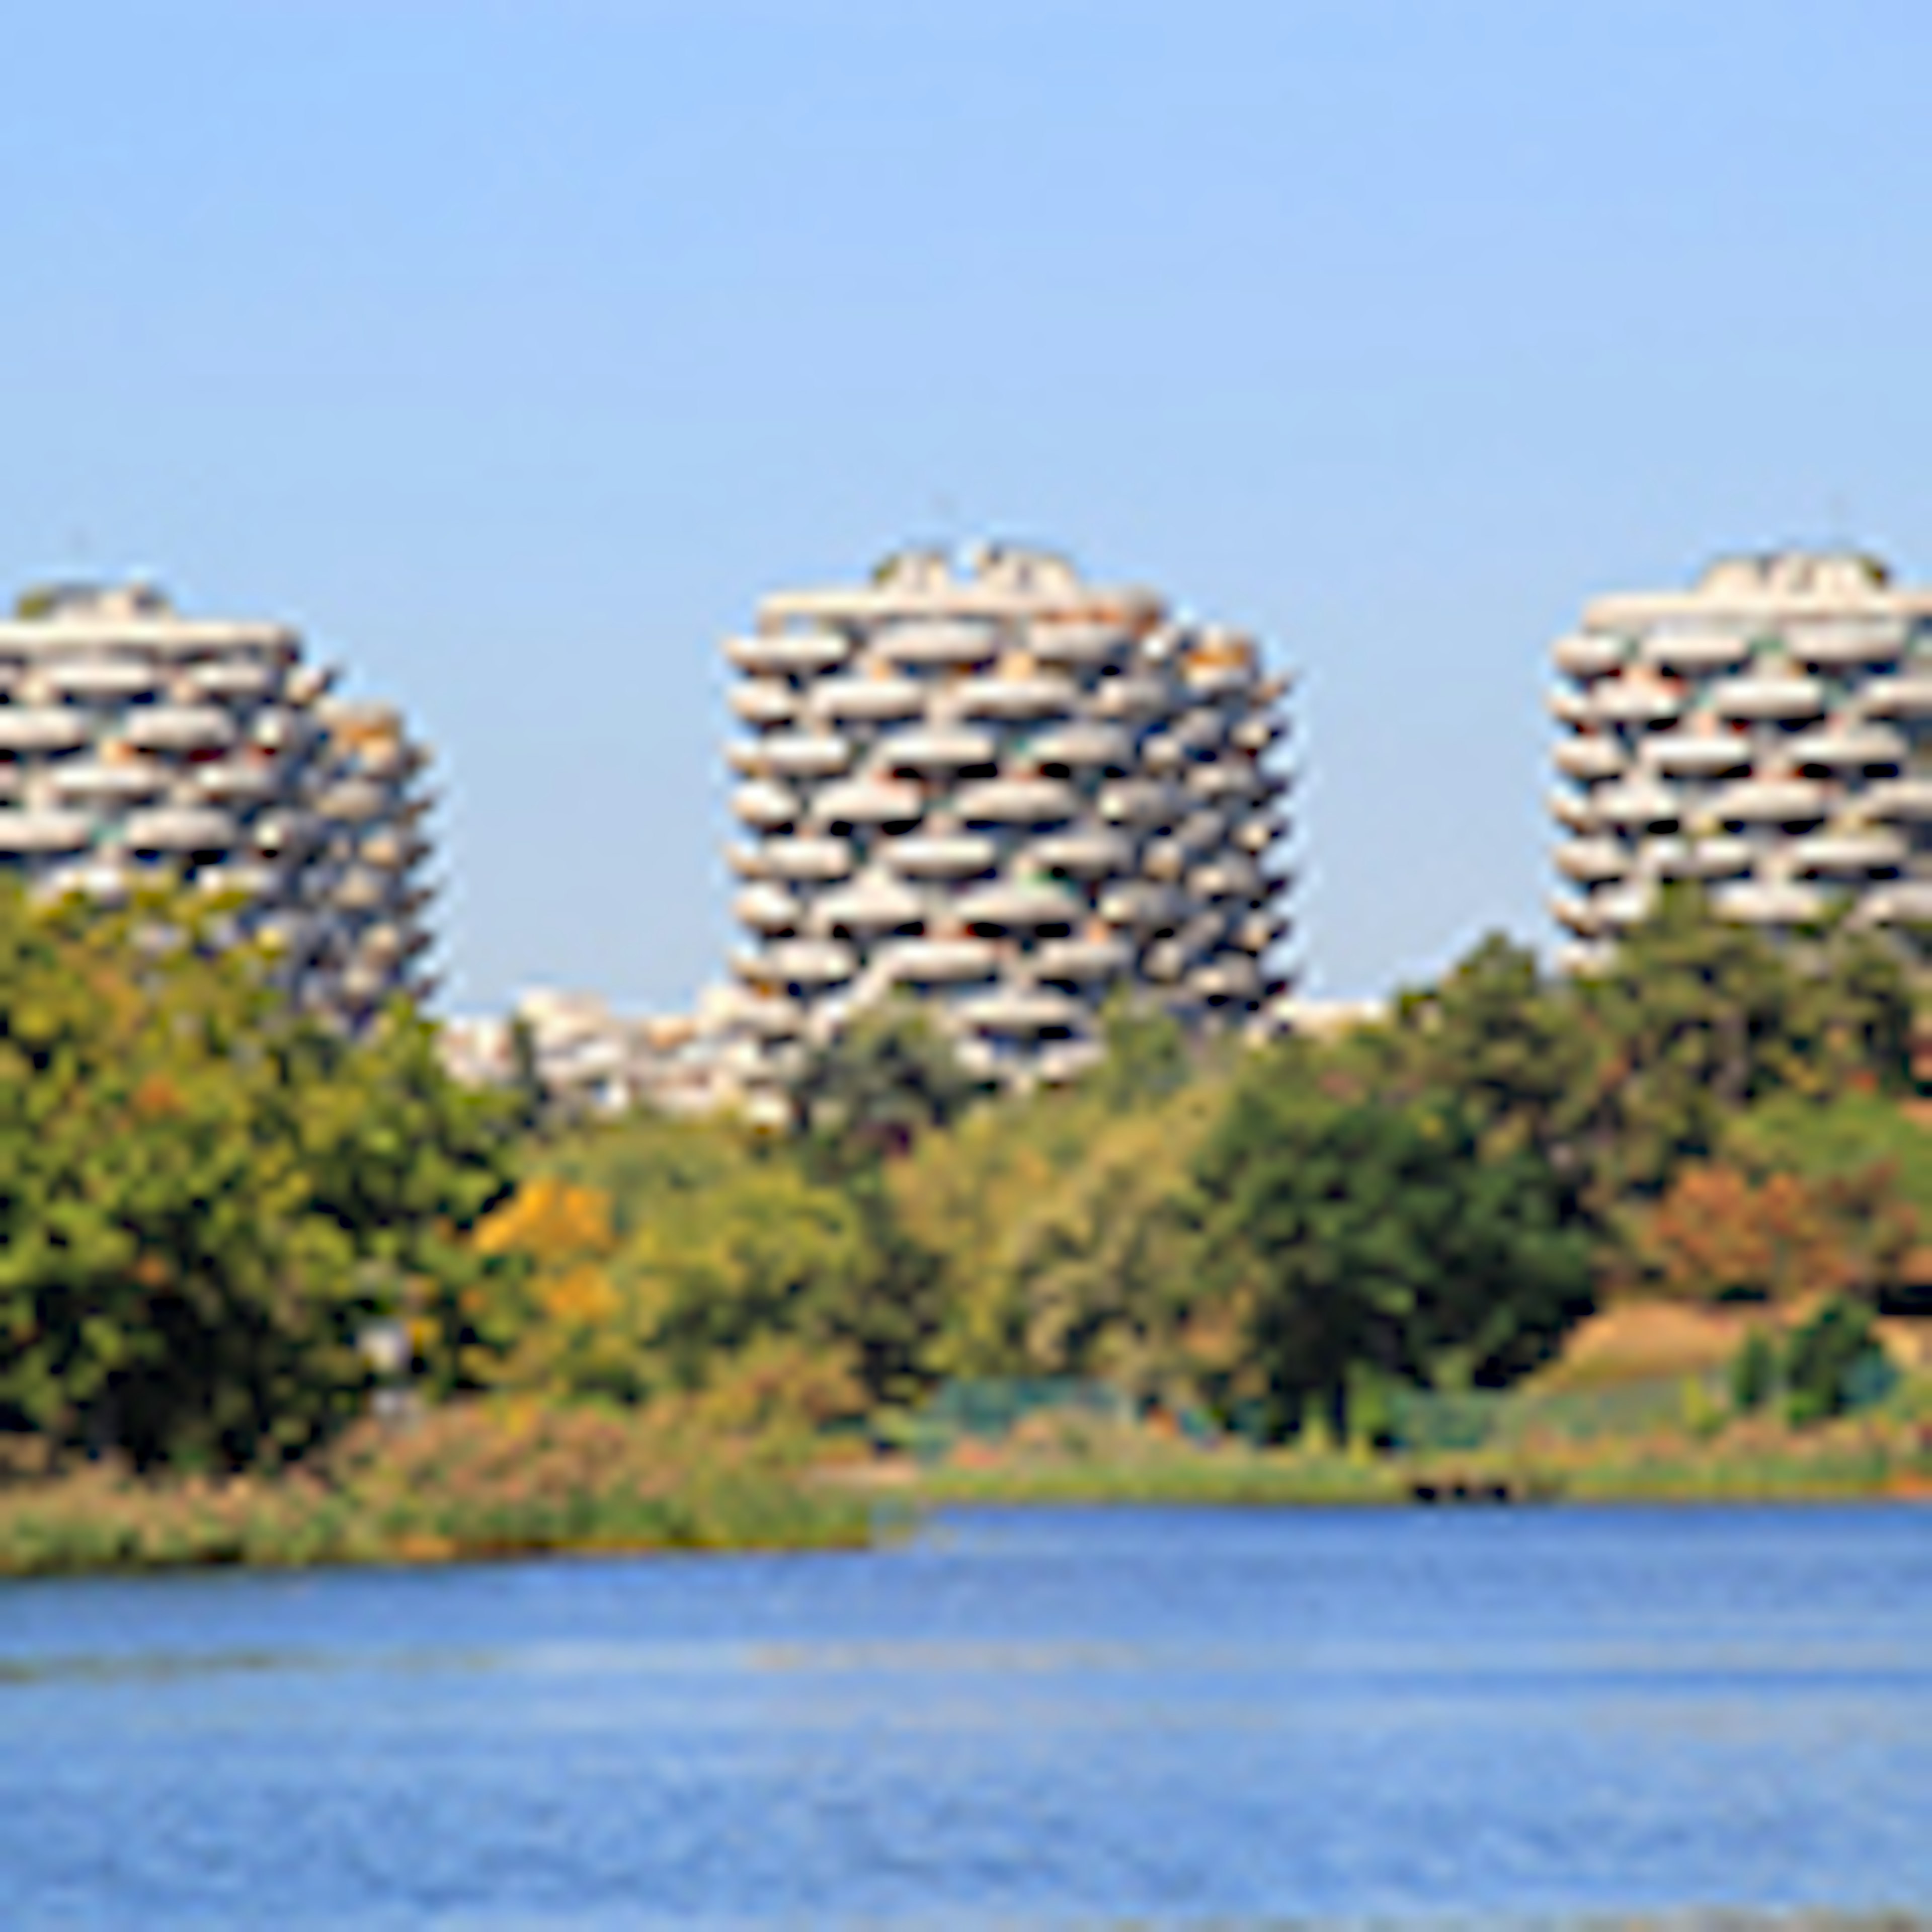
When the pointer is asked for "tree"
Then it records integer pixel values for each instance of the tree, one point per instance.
(1358, 1235)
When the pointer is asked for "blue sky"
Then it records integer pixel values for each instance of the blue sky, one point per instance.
(514, 350)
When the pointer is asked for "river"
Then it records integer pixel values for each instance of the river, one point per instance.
(1040, 1717)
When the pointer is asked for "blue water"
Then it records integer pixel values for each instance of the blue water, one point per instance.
(1055, 1717)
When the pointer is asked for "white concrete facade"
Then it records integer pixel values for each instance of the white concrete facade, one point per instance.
(1767, 732)
(137, 744)
(1005, 792)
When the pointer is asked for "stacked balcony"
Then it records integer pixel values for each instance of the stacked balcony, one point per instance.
(1768, 733)
(136, 745)
(1007, 793)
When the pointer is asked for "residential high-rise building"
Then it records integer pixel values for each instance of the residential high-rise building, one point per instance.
(1005, 792)
(1767, 732)
(138, 744)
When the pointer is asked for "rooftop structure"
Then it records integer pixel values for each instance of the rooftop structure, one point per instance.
(1767, 732)
(1003, 791)
(137, 744)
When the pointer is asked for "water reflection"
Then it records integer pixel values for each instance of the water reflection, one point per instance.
(1118, 1719)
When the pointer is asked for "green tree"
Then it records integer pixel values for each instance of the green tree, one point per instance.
(1356, 1235)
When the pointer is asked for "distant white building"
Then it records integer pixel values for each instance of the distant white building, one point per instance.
(137, 744)
(1767, 732)
(1005, 792)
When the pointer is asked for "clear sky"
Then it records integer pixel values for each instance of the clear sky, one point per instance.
(514, 350)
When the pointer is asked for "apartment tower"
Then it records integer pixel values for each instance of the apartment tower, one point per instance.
(137, 744)
(1767, 732)
(1006, 793)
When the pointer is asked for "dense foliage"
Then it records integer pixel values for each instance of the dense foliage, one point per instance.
(205, 1201)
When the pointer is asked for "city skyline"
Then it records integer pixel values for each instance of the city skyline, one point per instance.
(1392, 345)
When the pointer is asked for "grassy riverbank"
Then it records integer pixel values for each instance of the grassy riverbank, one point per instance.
(466, 1482)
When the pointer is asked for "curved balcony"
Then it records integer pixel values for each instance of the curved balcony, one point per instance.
(1258, 732)
(1009, 696)
(1571, 707)
(1626, 701)
(356, 801)
(128, 782)
(1226, 779)
(1683, 755)
(240, 780)
(1217, 679)
(1578, 915)
(284, 832)
(1258, 932)
(1624, 905)
(772, 1018)
(103, 679)
(1763, 696)
(802, 858)
(1694, 653)
(1165, 961)
(1908, 800)
(1770, 902)
(1575, 809)
(360, 889)
(1012, 905)
(1719, 856)
(1228, 977)
(1082, 853)
(1849, 854)
(941, 855)
(1069, 1059)
(1141, 904)
(1257, 834)
(1083, 961)
(763, 804)
(1077, 643)
(1017, 802)
(765, 907)
(1134, 695)
(868, 801)
(1164, 858)
(245, 878)
(41, 728)
(1084, 746)
(1022, 1012)
(867, 700)
(1592, 860)
(871, 904)
(1848, 747)
(927, 642)
(1908, 903)
(1589, 654)
(804, 963)
(178, 727)
(1144, 801)
(1227, 876)
(1161, 755)
(1635, 805)
(1591, 757)
(936, 748)
(37, 829)
(181, 828)
(763, 701)
(1906, 696)
(394, 851)
(939, 962)
(746, 861)
(805, 755)
(1767, 801)
(1844, 646)
(787, 653)
(231, 678)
